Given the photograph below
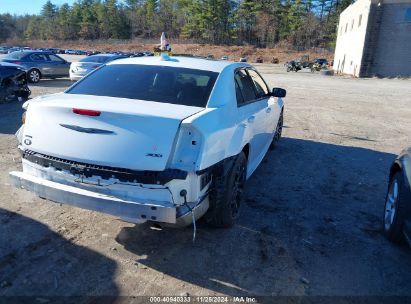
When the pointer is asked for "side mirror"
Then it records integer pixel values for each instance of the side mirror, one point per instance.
(279, 92)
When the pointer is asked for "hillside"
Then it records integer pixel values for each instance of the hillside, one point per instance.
(234, 52)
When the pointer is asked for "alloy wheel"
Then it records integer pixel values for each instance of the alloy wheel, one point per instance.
(238, 190)
(34, 76)
(279, 128)
(391, 204)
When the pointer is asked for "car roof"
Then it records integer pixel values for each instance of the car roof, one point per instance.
(182, 62)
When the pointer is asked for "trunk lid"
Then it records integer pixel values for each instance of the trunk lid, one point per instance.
(131, 134)
(84, 66)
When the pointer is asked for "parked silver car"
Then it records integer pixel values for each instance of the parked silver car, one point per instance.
(4, 49)
(40, 64)
(81, 68)
(397, 209)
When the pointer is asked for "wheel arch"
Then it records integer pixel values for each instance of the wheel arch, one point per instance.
(246, 150)
(37, 69)
(34, 69)
(224, 166)
(395, 167)
(399, 167)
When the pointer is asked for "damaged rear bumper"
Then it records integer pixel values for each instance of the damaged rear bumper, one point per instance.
(130, 211)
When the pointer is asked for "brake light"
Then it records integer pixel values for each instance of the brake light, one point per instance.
(17, 62)
(86, 112)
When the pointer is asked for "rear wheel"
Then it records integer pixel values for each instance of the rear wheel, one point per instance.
(34, 76)
(394, 211)
(227, 194)
(278, 131)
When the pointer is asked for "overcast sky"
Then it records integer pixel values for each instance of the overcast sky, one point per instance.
(21, 7)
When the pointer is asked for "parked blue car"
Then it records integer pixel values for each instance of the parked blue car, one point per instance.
(40, 64)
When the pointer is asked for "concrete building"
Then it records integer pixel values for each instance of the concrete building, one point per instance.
(374, 39)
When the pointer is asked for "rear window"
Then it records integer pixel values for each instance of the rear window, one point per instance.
(16, 55)
(154, 83)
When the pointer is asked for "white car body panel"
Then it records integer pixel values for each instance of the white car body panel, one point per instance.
(137, 128)
(146, 136)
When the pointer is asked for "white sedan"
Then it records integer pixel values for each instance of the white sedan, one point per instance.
(163, 139)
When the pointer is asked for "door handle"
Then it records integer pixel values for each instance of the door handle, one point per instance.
(251, 118)
(268, 110)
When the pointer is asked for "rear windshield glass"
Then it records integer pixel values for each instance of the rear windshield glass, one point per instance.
(16, 55)
(155, 83)
(99, 59)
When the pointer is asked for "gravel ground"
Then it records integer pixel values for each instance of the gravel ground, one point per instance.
(310, 224)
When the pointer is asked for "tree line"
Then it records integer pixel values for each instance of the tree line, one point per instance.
(263, 23)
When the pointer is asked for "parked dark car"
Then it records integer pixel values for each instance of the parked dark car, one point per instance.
(13, 83)
(40, 64)
(13, 49)
(75, 52)
(91, 53)
(293, 66)
(397, 211)
(80, 52)
(55, 50)
(138, 54)
(321, 61)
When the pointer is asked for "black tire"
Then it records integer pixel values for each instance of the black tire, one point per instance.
(227, 194)
(33, 76)
(393, 224)
(278, 131)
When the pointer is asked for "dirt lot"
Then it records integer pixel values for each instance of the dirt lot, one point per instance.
(310, 225)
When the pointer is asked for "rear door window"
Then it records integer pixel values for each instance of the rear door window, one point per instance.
(39, 57)
(238, 94)
(246, 87)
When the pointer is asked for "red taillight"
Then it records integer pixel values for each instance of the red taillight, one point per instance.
(17, 62)
(86, 112)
